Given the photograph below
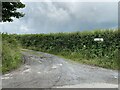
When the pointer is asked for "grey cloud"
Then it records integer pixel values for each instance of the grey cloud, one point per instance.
(45, 17)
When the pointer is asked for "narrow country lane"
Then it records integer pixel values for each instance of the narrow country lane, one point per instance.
(42, 70)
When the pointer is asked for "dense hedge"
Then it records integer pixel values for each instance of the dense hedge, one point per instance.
(78, 42)
(11, 57)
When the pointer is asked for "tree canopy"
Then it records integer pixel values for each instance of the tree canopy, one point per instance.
(9, 10)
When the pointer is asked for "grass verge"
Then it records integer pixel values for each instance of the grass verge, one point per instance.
(78, 57)
(101, 62)
(11, 56)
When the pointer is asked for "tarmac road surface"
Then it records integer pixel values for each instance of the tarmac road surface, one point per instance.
(42, 70)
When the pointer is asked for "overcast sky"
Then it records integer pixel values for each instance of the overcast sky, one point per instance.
(47, 17)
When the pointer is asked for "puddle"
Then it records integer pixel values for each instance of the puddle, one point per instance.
(54, 67)
(6, 78)
(26, 71)
(8, 74)
(38, 72)
(60, 64)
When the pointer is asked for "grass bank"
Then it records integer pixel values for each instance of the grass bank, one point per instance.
(11, 56)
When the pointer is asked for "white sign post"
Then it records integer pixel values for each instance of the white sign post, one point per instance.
(98, 39)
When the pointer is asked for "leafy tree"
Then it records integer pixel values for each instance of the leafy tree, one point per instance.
(9, 10)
